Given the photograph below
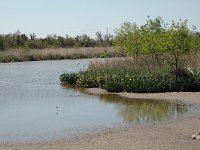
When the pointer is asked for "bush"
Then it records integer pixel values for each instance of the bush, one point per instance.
(69, 78)
(90, 79)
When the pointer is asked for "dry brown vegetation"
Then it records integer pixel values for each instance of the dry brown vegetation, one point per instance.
(189, 61)
(55, 54)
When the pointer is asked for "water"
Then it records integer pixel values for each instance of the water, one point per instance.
(34, 106)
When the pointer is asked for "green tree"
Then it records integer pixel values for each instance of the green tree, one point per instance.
(128, 40)
(99, 38)
(195, 40)
(32, 36)
(153, 34)
(178, 41)
(108, 38)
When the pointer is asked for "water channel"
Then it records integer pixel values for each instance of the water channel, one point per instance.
(35, 106)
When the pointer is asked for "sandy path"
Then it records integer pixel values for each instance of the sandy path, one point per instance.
(168, 135)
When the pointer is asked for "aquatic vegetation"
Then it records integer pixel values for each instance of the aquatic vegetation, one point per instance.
(126, 78)
(69, 78)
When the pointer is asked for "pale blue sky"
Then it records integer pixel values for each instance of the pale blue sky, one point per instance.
(88, 16)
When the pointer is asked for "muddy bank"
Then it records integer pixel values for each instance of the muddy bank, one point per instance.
(185, 97)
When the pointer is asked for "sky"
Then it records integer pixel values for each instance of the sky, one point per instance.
(76, 17)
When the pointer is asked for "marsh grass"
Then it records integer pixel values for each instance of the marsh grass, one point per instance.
(55, 54)
(127, 75)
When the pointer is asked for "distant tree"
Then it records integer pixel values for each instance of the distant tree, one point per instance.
(36, 44)
(32, 36)
(9, 41)
(77, 41)
(52, 40)
(86, 41)
(99, 38)
(61, 42)
(18, 40)
(2, 46)
(70, 42)
(108, 39)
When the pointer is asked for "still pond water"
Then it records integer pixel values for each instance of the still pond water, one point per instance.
(30, 93)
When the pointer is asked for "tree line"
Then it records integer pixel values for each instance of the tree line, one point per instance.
(23, 41)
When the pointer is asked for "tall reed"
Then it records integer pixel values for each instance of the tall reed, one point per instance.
(55, 54)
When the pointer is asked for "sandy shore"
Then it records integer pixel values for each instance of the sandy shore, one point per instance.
(172, 135)
(185, 97)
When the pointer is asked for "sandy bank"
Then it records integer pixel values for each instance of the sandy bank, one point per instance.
(185, 97)
(159, 136)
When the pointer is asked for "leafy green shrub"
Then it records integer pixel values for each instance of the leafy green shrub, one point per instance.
(104, 54)
(88, 79)
(69, 78)
(114, 85)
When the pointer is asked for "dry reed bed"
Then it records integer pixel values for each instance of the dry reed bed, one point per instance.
(190, 61)
(55, 54)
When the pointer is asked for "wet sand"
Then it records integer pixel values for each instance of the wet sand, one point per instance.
(172, 134)
(185, 97)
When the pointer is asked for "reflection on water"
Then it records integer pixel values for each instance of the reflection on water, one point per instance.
(132, 110)
(34, 106)
(143, 110)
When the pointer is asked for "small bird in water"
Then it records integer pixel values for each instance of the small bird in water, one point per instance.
(57, 110)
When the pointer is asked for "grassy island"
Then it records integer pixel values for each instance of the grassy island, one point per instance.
(124, 76)
(160, 58)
